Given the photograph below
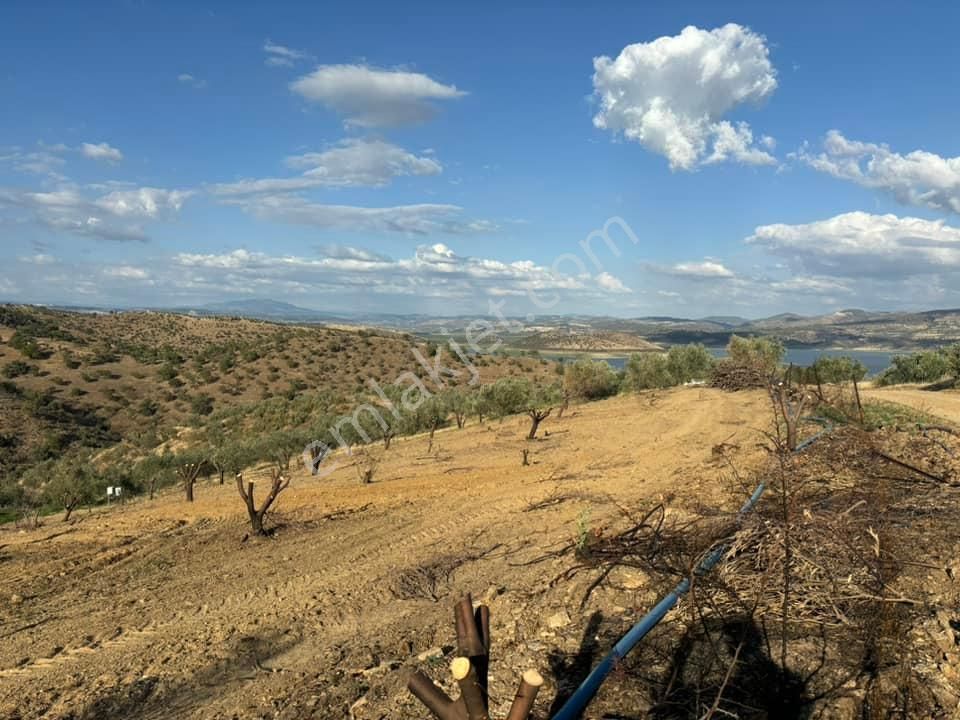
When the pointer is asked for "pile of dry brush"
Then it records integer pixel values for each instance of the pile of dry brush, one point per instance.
(731, 376)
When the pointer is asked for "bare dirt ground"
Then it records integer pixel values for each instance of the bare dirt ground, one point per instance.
(161, 609)
(944, 403)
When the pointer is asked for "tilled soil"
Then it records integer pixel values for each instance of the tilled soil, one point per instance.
(164, 609)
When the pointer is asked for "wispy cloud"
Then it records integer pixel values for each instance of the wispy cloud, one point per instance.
(420, 219)
(191, 80)
(282, 56)
(350, 163)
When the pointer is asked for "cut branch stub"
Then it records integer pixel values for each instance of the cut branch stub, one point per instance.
(470, 670)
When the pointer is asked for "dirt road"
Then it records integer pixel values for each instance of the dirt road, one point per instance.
(161, 609)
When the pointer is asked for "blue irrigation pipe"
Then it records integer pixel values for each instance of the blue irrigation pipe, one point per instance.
(574, 707)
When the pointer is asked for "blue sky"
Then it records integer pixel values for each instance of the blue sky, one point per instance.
(766, 158)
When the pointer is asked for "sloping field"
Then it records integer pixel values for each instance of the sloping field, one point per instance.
(163, 609)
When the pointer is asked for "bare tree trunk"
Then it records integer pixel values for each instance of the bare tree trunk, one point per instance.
(188, 474)
(279, 484)
(536, 417)
(69, 508)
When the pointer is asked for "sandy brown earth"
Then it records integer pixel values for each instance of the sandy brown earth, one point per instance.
(160, 609)
(943, 403)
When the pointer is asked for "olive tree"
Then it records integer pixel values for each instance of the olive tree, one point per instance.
(764, 354)
(588, 379)
(458, 403)
(838, 369)
(689, 362)
(71, 482)
(515, 395)
(647, 371)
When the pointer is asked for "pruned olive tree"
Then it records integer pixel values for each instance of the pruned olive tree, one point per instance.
(540, 402)
(279, 482)
(189, 466)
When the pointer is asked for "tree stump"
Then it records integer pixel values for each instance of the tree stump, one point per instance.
(470, 670)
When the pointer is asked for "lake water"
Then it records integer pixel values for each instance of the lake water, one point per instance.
(874, 361)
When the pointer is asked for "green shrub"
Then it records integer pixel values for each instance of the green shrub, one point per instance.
(837, 369)
(28, 346)
(201, 404)
(920, 367)
(646, 371)
(167, 372)
(590, 380)
(17, 368)
(101, 355)
(689, 362)
(764, 354)
(69, 360)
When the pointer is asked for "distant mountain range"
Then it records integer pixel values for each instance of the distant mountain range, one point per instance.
(263, 310)
(850, 328)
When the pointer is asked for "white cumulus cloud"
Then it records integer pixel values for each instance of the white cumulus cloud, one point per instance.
(372, 97)
(671, 94)
(918, 178)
